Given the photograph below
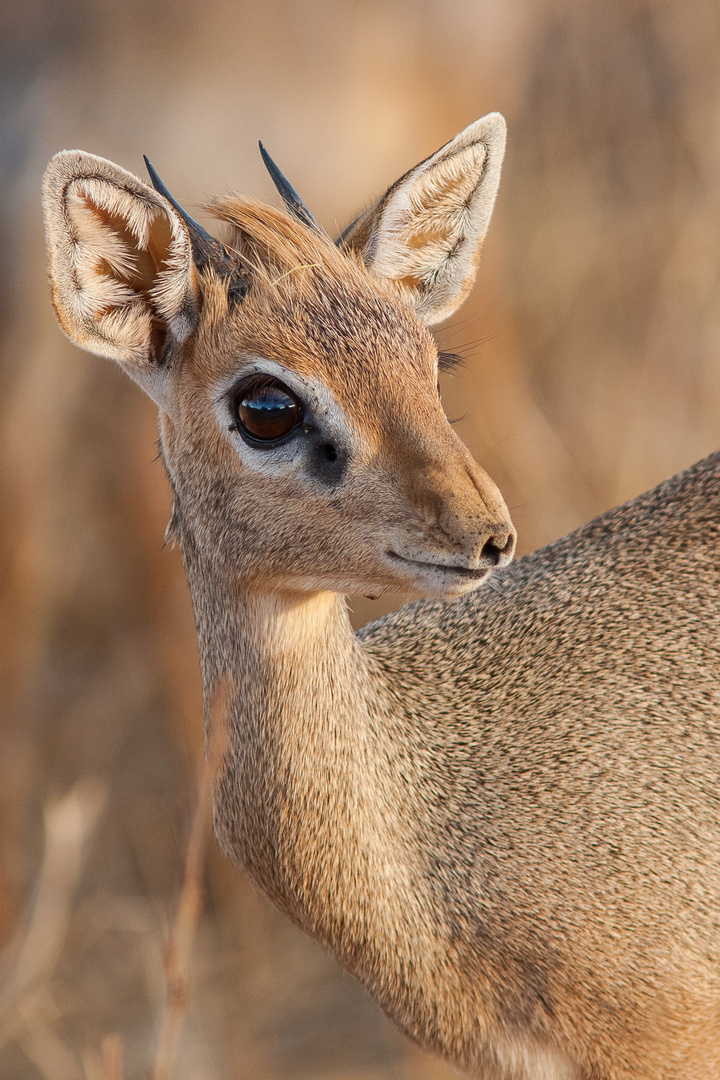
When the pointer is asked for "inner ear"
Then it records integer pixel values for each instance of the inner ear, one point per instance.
(138, 266)
(437, 208)
(135, 261)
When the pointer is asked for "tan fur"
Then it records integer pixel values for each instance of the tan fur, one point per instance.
(500, 812)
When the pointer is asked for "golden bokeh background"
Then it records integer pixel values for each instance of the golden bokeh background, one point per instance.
(592, 346)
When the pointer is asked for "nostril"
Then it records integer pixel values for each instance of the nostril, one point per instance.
(491, 553)
(498, 548)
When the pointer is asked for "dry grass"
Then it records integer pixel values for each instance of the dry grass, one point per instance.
(29, 1008)
(29, 1004)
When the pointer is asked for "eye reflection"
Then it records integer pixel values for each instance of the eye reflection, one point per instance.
(265, 411)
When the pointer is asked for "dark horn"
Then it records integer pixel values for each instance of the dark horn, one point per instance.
(288, 194)
(205, 248)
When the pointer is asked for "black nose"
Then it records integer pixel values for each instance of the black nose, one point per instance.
(499, 547)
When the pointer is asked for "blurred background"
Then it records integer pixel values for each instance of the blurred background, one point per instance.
(592, 347)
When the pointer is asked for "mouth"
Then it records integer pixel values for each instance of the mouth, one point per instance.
(454, 571)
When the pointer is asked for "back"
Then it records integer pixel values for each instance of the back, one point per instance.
(563, 730)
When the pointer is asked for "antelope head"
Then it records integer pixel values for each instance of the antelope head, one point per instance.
(296, 379)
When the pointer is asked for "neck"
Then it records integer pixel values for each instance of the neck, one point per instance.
(291, 797)
(301, 805)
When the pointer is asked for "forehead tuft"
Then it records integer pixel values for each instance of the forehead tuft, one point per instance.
(270, 239)
(308, 291)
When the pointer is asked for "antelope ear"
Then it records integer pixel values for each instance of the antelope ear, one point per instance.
(425, 235)
(120, 261)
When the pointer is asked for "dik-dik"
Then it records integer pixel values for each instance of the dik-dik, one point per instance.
(498, 808)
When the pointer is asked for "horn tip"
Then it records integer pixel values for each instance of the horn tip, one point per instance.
(154, 178)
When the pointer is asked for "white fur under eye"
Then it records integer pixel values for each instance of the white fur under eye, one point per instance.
(319, 404)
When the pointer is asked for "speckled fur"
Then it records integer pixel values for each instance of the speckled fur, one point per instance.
(500, 812)
(576, 710)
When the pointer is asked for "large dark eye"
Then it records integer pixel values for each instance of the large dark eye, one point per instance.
(264, 411)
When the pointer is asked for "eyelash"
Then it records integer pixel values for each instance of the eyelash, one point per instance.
(448, 361)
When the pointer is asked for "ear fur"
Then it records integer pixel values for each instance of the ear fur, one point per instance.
(425, 235)
(120, 264)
